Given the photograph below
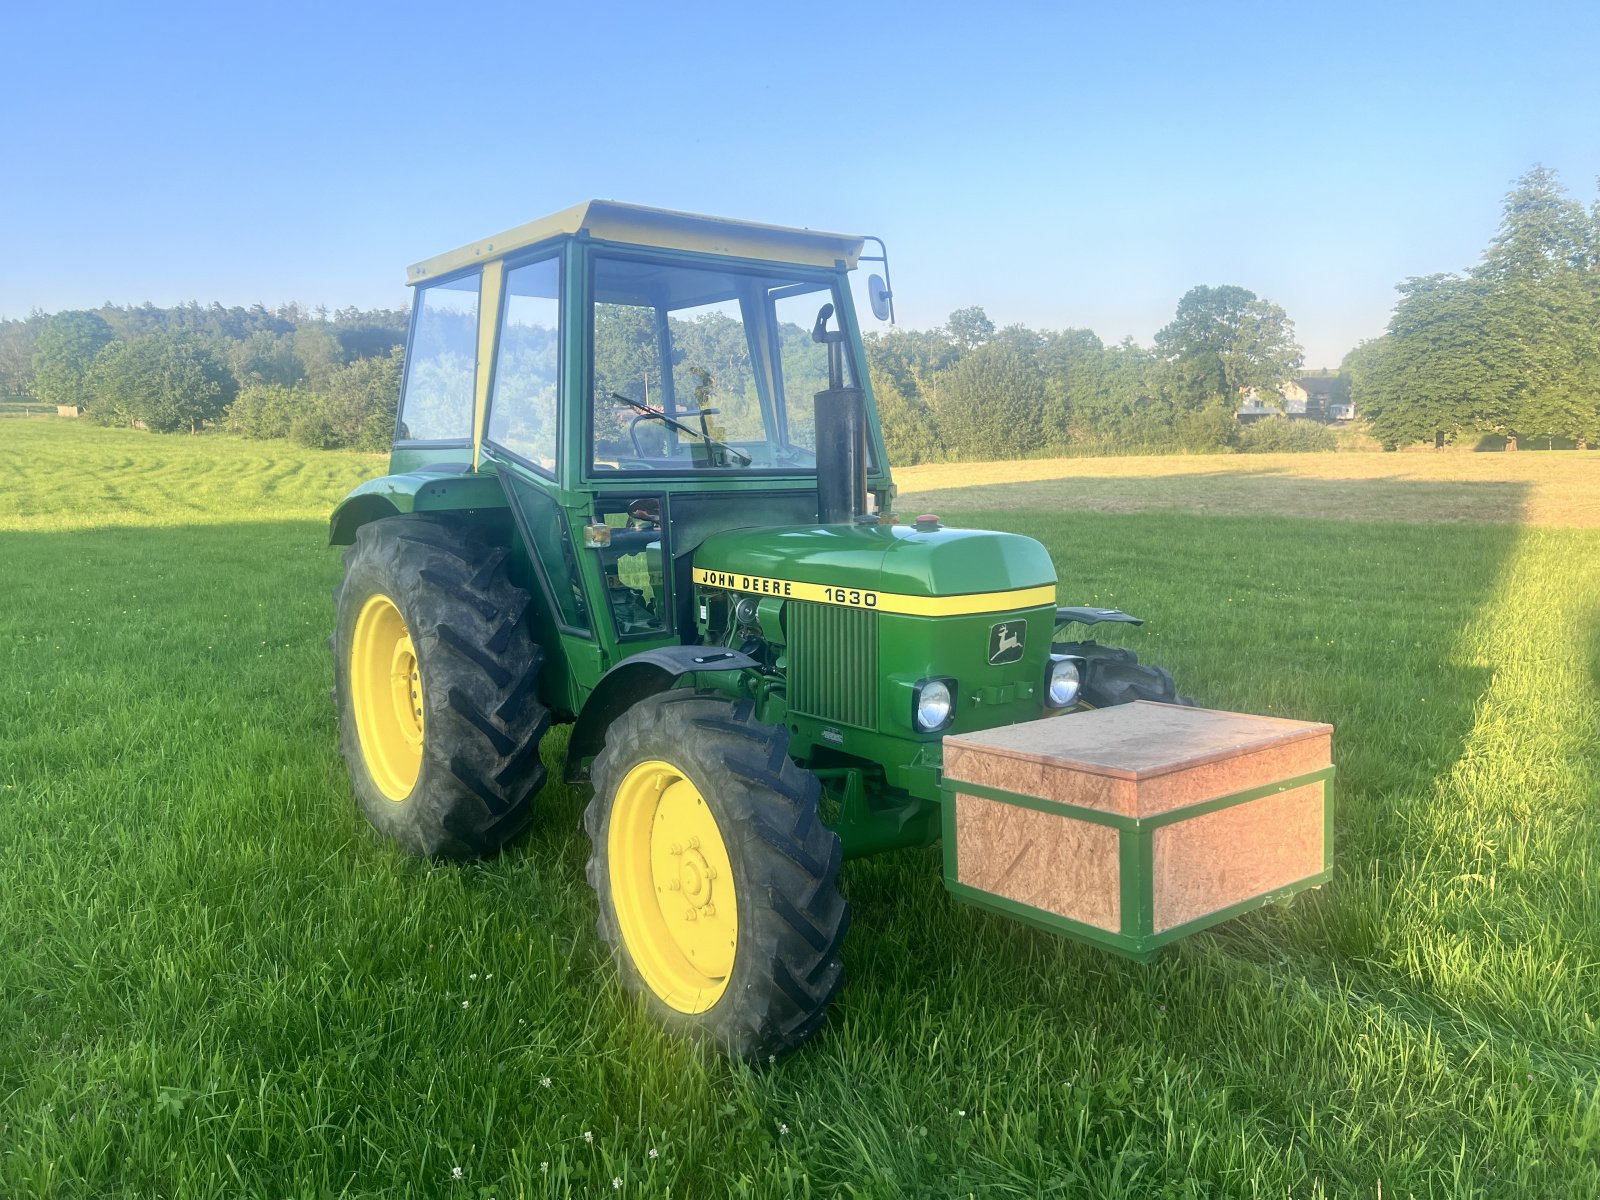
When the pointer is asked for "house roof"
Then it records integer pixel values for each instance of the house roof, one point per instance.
(636, 225)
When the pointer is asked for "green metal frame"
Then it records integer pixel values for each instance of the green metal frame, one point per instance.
(1137, 938)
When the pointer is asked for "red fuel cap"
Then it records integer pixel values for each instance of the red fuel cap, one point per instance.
(926, 522)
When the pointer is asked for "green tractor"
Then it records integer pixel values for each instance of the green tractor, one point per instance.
(638, 485)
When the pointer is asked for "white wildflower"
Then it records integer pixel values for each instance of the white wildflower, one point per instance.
(466, 1004)
(616, 1182)
(544, 1081)
(654, 1153)
(783, 1131)
(457, 1173)
(588, 1137)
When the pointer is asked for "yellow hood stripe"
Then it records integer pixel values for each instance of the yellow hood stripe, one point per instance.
(893, 602)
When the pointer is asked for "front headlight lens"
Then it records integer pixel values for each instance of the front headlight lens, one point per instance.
(935, 705)
(1066, 681)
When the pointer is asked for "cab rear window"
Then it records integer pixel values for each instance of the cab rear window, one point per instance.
(441, 363)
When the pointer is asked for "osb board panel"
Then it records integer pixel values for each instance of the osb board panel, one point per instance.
(1029, 777)
(1209, 862)
(1227, 776)
(1055, 863)
(1138, 759)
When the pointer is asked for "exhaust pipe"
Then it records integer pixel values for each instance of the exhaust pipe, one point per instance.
(841, 422)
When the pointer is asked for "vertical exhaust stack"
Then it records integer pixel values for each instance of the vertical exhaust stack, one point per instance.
(841, 417)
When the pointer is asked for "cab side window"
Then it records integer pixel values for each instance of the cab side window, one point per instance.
(522, 412)
(441, 364)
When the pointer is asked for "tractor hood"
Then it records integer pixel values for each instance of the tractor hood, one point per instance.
(895, 559)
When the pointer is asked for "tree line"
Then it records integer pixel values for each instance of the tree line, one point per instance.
(324, 379)
(1511, 347)
(969, 391)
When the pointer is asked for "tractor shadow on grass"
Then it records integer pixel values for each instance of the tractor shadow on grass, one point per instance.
(1377, 627)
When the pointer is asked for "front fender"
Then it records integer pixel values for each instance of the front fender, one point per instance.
(415, 491)
(629, 682)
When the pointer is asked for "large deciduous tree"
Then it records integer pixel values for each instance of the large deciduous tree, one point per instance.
(991, 403)
(968, 328)
(1513, 348)
(165, 381)
(1439, 368)
(1222, 339)
(64, 353)
(1540, 270)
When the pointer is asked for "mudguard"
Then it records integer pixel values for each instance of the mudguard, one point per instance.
(1093, 616)
(630, 681)
(441, 490)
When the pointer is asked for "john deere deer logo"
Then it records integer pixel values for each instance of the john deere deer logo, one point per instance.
(1005, 642)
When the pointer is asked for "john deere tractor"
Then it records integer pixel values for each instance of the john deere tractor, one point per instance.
(638, 485)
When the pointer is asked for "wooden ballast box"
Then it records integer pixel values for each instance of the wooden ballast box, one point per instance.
(1134, 825)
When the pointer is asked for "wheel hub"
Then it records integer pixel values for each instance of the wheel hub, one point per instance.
(406, 684)
(672, 886)
(386, 697)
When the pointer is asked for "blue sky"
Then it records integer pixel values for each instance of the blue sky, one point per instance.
(1061, 165)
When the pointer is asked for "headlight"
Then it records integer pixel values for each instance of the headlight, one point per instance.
(1065, 682)
(934, 704)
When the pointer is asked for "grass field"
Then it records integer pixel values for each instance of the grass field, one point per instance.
(215, 981)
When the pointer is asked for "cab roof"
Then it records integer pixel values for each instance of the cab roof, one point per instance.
(635, 225)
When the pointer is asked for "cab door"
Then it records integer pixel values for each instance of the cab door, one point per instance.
(520, 439)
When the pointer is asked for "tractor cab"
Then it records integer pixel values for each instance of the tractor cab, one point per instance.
(633, 381)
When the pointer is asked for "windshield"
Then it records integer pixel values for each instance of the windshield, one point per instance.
(705, 369)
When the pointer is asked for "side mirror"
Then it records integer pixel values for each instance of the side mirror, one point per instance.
(878, 297)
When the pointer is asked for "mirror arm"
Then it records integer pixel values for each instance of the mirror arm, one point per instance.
(881, 257)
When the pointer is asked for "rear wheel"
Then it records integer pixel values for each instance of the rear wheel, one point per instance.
(435, 681)
(717, 881)
(1113, 675)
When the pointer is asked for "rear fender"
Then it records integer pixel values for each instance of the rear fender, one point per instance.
(417, 491)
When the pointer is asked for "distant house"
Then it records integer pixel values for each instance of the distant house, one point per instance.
(1256, 404)
(1328, 397)
(1324, 398)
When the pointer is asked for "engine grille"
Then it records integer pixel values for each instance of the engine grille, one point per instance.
(833, 663)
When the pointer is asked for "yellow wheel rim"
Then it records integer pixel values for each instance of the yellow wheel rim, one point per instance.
(672, 886)
(386, 694)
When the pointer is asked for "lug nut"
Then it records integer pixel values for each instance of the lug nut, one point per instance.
(690, 915)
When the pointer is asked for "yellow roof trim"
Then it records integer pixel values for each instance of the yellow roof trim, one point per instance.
(660, 228)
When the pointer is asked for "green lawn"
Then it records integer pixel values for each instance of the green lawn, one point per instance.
(215, 981)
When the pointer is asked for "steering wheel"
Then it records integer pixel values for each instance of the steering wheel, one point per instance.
(655, 414)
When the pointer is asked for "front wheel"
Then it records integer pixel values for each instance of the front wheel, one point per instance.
(716, 879)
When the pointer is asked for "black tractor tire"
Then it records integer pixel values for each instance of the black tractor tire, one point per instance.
(1114, 675)
(481, 719)
(792, 919)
